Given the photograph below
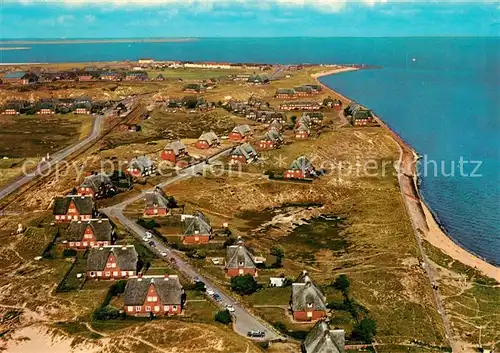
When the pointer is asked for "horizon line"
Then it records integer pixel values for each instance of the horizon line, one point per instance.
(238, 37)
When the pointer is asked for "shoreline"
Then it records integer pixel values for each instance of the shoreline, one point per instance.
(101, 41)
(425, 222)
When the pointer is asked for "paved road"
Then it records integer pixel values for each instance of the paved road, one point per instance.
(244, 321)
(45, 167)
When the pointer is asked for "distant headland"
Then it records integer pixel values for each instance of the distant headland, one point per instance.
(99, 41)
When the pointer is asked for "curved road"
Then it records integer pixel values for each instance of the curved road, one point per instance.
(244, 321)
(55, 158)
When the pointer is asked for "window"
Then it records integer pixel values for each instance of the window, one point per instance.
(88, 236)
(130, 309)
(166, 308)
(106, 274)
(156, 211)
(148, 308)
(108, 265)
(115, 273)
(309, 305)
(71, 243)
(174, 307)
(124, 273)
(99, 274)
(77, 243)
(113, 265)
(152, 299)
(130, 273)
(84, 243)
(138, 308)
(240, 271)
(91, 243)
(157, 308)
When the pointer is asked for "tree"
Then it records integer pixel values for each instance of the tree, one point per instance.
(293, 119)
(342, 283)
(365, 330)
(279, 253)
(244, 285)
(224, 317)
(200, 286)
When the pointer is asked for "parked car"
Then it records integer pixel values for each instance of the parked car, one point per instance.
(217, 297)
(230, 308)
(152, 243)
(256, 333)
(148, 235)
(163, 254)
(210, 291)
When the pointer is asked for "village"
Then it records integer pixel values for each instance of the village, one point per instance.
(209, 202)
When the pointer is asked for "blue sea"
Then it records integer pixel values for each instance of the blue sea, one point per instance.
(442, 95)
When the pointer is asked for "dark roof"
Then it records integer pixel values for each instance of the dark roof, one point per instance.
(301, 163)
(175, 146)
(273, 135)
(210, 137)
(94, 181)
(168, 287)
(126, 257)
(246, 150)
(156, 198)
(199, 224)
(306, 89)
(15, 75)
(289, 91)
(302, 127)
(323, 340)
(239, 253)
(304, 294)
(102, 228)
(84, 204)
(141, 162)
(242, 129)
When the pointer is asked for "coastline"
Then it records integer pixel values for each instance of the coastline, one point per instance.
(14, 48)
(101, 41)
(425, 223)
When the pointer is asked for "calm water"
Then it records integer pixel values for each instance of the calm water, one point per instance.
(445, 104)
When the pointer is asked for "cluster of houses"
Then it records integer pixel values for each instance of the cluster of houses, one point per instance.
(359, 116)
(87, 74)
(297, 92)
(79, 105)
(144, 294)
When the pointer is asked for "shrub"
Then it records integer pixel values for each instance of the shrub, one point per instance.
(342, 283)
(365, 330)
(107, 313)
(244, 285)
(200, 286)
(195, 254)
(69, 252)
(224, 317)
(148, 223)
(279, 253)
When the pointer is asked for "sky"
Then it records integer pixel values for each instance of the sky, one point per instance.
(246, 18)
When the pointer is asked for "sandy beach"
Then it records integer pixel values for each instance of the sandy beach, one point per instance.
(426, 226)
